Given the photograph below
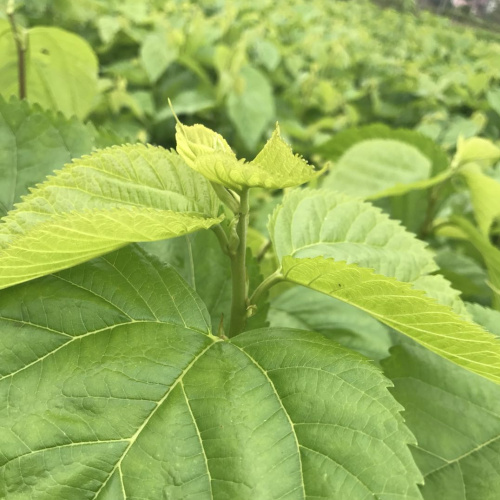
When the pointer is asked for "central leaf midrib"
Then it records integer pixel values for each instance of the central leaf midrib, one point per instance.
(292, 428)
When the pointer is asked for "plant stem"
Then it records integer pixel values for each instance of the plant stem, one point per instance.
(238, 270)
(222, 237)
(20, 42)
(226, 197)
(263, 250)
(270, 281)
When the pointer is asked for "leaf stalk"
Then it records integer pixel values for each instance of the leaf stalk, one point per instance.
(238, 270)
(20, 41)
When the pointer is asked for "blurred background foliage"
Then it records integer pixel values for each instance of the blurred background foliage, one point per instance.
(385, 87)
(316, 66)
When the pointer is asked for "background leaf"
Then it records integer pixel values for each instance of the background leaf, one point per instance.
(250, 106)
(61, 69)
(33, 143)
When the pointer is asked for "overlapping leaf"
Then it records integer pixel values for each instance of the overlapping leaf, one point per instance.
(99, 203)
(33, 143)
(455, 416)
(403, 308)
(308, 309)
(274, 167)
(313, 223)
(112, 387)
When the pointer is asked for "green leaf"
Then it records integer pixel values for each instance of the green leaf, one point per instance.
(489, 253)
(485, 195)
(486, 317)
(439, 288)
(128, 395)
(376, 161)
(403, 308)
(158, 51)
(198, 258)
(313, 223)
(33, 143)
(493, 97)
(250, 106)
(375, 165)
(274, 167)
(476, 149)
(99, 203)
(455, 416)
(308, 309)
(61, 69)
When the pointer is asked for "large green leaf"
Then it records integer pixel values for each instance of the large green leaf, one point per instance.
(33, 143)
(403, 308)
(99, 203)
(61, 69)
(112, 387)
(455, 416)
(274, 167)
(313, 223)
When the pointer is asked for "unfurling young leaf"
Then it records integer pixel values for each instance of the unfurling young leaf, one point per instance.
(209, 154)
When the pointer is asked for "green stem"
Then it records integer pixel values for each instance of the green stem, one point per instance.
(238, 270)
(222, 237)
(269, 282)
(226, 197)
(20, 42)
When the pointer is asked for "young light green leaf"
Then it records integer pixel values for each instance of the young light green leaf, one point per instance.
(123, 381)
(485, 195)
(99, 203)
(403, 308)
(439, 288)
(476, 150)
(307, 309)
(489, 253)
(33, 143)
(486, 317)
(274, 167)
(61, 69)
(313, 223)
(455, 416)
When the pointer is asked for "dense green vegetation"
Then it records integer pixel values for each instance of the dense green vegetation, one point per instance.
(187, 323)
